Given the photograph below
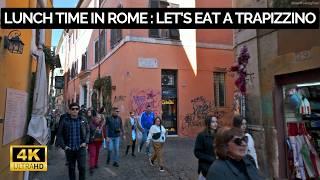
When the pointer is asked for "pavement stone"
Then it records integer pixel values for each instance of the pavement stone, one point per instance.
(180, 164)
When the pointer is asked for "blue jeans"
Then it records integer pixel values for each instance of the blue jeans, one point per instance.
(114, 144)
(144, 139)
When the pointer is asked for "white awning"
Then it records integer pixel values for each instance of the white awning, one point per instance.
(38, 128)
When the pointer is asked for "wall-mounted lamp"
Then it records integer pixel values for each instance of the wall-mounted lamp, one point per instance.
(13, 43)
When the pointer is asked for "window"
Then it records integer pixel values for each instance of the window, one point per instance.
(102, 41)
(116, 36)
(163, 33)
(100, 2)
(96, 51)
(219, 88)
(84, 61)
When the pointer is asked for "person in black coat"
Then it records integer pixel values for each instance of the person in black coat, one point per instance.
(232, 162)
(73, 136)
(204, 146)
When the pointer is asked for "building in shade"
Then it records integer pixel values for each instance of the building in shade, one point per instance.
(182, 74)
(282, 61)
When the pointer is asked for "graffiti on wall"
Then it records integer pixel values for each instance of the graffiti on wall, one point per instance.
(139, 99)
(201, 109)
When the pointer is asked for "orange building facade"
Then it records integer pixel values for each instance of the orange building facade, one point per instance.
(181, 78)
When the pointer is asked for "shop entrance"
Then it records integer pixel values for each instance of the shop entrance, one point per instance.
(297, 118)
(169, 100)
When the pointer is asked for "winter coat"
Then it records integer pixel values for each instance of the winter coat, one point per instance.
(63, 130)
(113, 126)
(204, 151)
(128, 130)
(226, 170)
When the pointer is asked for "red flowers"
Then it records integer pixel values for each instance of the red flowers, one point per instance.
(240, 68)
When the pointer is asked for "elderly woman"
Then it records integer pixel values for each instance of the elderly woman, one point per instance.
(233, 164)
(241, 123)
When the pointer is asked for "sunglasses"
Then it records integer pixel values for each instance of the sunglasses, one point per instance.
(238, 141)
(72, 109)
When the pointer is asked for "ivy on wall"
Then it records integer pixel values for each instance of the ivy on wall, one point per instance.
(104, 85)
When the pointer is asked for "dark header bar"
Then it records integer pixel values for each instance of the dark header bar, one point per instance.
(168, 18)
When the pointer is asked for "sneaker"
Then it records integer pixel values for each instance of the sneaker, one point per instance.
(161, 169)
(115, 164)
(151, 162)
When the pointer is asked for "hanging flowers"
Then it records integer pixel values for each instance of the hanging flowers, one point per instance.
(240, 68)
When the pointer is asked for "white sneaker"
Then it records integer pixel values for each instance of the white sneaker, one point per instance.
(161, 169)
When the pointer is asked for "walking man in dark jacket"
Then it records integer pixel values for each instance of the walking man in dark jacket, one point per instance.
(114, 130)
(73, 137)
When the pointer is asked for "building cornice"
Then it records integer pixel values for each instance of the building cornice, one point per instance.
(161, 42)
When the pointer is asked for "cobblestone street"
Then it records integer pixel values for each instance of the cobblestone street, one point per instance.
(180, 163)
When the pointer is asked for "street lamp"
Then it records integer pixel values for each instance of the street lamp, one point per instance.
(13, 43)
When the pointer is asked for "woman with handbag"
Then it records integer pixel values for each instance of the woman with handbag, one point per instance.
(95, 142)
(157, 135)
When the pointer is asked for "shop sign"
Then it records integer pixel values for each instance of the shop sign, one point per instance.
(59, 82)
(169, 93)
(169, 101)
(148, 63)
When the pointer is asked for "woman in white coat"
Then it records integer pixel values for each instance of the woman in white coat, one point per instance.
(241, 123)
(157, 135)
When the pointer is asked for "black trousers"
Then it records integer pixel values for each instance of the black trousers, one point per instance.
(78, 156)
(133, 146)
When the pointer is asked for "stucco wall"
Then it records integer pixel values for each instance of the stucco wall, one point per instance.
(131, 80)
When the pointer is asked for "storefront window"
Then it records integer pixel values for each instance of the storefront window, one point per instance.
(302, 116)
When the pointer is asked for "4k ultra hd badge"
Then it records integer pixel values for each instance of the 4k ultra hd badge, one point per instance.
(28, 158)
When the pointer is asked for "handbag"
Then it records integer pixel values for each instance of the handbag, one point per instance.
(156, 136)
